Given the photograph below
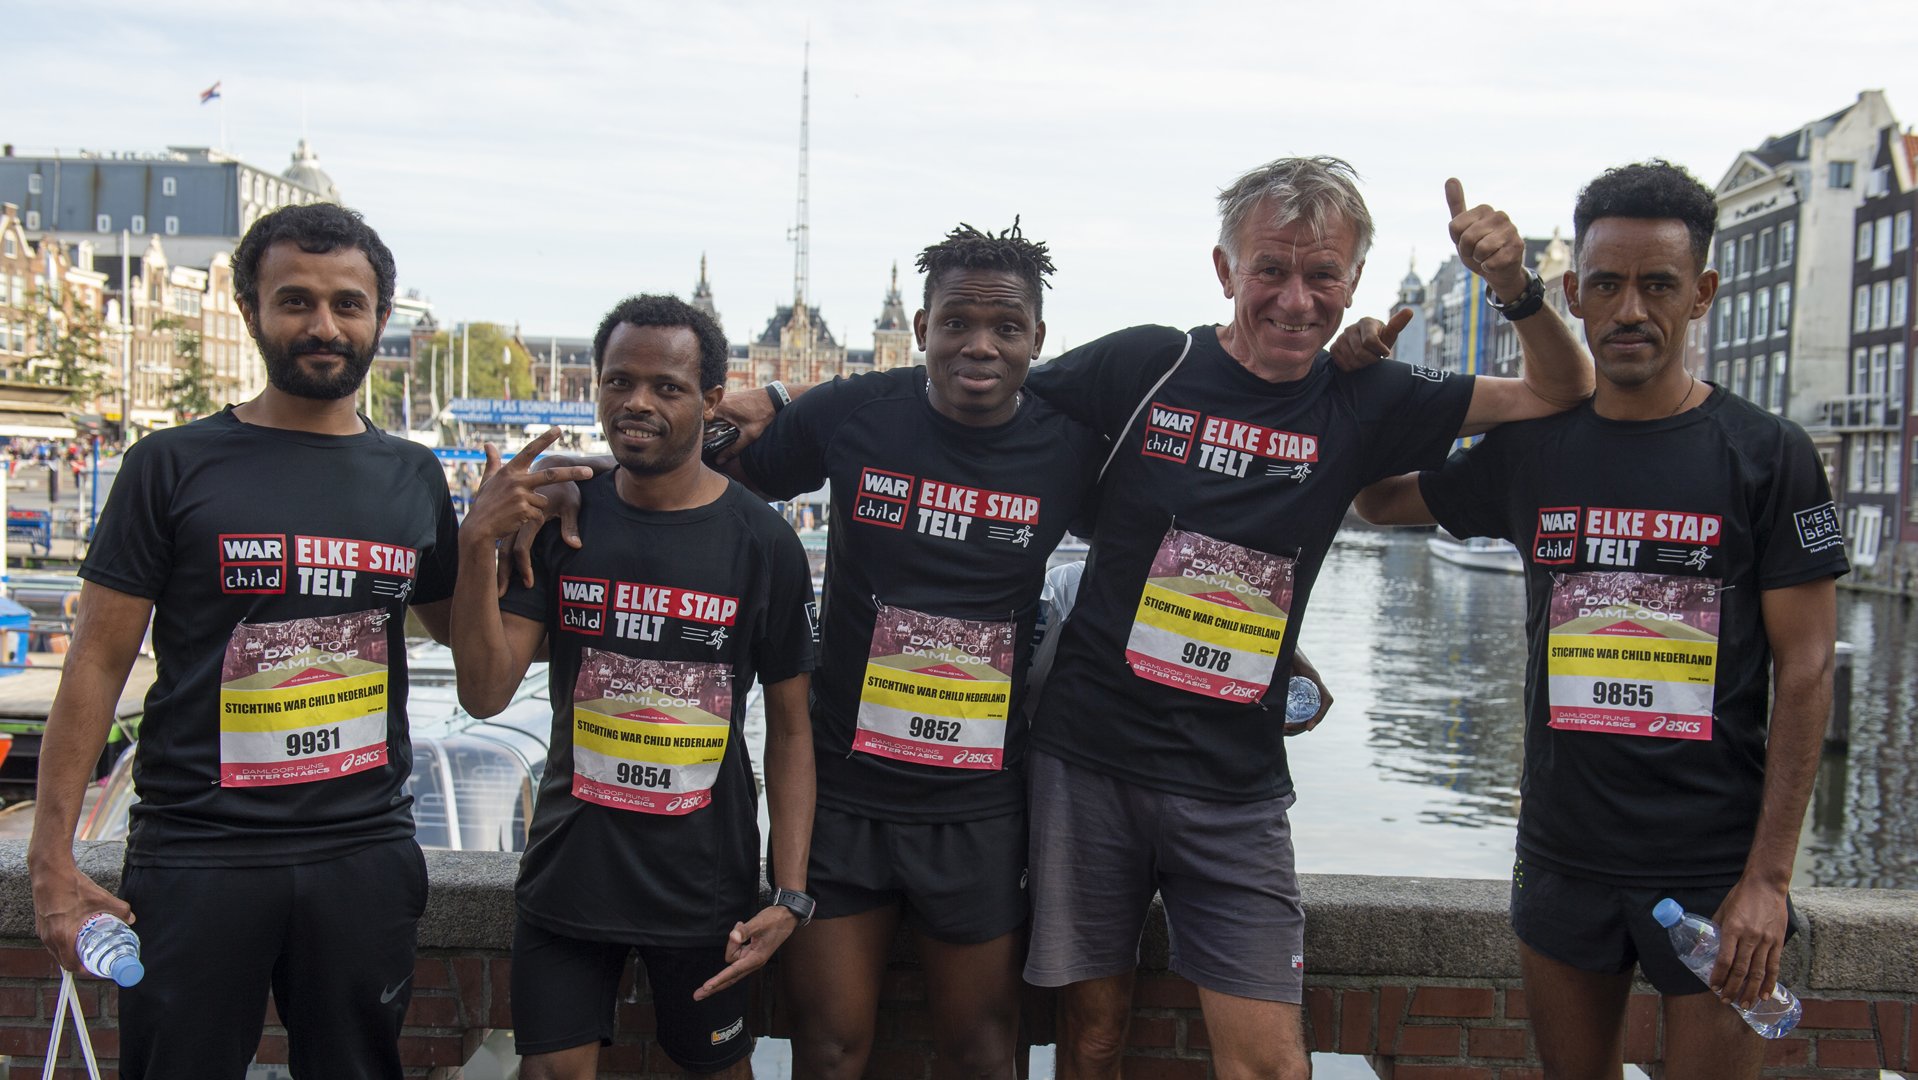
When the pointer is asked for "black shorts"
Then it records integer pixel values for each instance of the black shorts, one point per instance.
(962, 882)
(565, 989)
(1604, 928)
(332, 940)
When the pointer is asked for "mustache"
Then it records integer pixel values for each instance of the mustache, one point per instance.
(629, 420)
(1640, 330)
(306, 345)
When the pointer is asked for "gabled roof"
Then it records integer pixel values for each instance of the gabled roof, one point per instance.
(783, 314)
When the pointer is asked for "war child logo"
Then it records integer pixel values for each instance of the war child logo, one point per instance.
(1556, 541)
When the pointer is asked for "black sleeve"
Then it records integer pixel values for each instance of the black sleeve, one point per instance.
(439, 568)
(1410, 415)
(132, 546)
(1100, 383)
(1471, 493)
(535, 601)
(785, 647)
(1797, 530)
(790, 458)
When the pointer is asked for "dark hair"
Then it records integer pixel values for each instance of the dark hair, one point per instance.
(318, 228)
(651, 310)
(1654, 189)
(966, 248)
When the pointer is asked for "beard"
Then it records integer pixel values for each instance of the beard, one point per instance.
(284, 372)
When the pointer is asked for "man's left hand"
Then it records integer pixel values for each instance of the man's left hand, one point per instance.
(1488, 244)
(1751, 941)
(1302, 666)
(1368, 341)
(749, 946)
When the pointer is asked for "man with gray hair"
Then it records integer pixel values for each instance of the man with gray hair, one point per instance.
(1157, 764)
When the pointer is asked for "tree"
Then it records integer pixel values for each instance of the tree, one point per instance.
(190, 393)
(70, 347)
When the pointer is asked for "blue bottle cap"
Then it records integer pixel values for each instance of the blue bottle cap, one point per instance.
(1668, 912)
(127, 970)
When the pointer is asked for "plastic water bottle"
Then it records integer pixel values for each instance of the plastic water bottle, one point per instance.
(110, 949)
(1695, 939)
(1301, 700)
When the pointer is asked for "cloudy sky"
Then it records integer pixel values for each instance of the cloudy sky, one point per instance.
(533, 162)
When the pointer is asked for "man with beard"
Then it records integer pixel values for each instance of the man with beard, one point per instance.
(645, 835)
(276, 546)
(1681, 546)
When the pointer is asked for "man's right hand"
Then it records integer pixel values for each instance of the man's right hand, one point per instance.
(63, 899)
(751, 411)
(508, 496)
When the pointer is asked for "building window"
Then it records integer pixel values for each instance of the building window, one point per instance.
(1878, 371)
(1896, 362)
(1782, 310)
(1728, 259)
(1765, 238)
(1901, 231)
(1777, 381)
(1874, 463)
(1880, 305)
(1744, 256)
(1860, 370)
(1841, 172)
(33, 219)
(1861, 309)
(103, 222)
(1724, 335)
(172, 225)
(1787, 242)
(12, 247)
(169, 186)
(1881, 243)
(1761, 317)
(1743, 330)
(1863, 247)
(1761, 388)
(33, 183)
(1719, 372)
(1854, 467)
(139, 224)
(1900, 297)
(1738, 377)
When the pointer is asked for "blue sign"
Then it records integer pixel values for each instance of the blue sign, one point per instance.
(33, 526)
(505, 412)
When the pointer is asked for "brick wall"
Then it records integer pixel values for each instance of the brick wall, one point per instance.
(1419, 976)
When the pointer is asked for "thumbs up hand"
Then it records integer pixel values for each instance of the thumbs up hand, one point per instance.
(1488, 244)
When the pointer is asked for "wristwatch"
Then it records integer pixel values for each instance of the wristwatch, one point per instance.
(1525, 304)
(798, 903)
(781, 396)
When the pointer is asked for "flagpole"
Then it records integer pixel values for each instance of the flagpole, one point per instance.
(222, 97)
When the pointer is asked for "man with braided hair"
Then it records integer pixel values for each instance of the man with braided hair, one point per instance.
(950, 488)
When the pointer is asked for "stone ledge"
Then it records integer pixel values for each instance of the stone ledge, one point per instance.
(1851, 940)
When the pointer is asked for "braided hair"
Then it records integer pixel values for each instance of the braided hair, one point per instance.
(967, 248)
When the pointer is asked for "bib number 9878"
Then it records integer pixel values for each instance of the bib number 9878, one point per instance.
(649, 776)
(1205, 657)
(307, 743)
(1630, 695)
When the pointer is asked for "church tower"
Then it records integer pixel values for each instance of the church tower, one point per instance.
(892, 345)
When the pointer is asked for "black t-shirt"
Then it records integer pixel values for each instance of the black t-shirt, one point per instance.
(646, 830)
(1647, 687)
(1212, 523)
(948, 528)
(280, 564)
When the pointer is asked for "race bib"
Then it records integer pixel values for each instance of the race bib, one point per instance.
(937, 690)
(303, 700)
(1211, 617)
(1633, 654)
(649, 735)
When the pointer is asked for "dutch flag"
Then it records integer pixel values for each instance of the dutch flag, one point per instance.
(210, 93)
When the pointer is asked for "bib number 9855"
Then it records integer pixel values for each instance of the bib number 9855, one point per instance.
(1630, 695)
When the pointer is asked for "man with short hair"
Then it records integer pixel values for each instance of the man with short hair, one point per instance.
(1158, 754)
(645, 836)
(1681, 546)
(950, 488)
(277, 546)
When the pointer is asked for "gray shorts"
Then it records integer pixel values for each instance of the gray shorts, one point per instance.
(1224, 870)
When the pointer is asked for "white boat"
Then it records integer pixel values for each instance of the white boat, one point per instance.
(1478, 553)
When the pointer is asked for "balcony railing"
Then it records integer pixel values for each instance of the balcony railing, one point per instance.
(1861, 412)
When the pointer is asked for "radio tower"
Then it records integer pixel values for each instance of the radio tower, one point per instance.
(799, 329)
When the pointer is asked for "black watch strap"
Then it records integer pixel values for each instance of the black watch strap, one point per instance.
(781, 396)
(1526, 304)
(798, 903)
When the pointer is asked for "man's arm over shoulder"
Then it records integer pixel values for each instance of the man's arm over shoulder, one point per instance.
(789, 456)
(1556, 374)
(1100, 383)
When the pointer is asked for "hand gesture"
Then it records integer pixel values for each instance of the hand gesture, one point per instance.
(1488, 244)
(508, 495)
(1369, 341)
(749, 946)
(64, 898)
